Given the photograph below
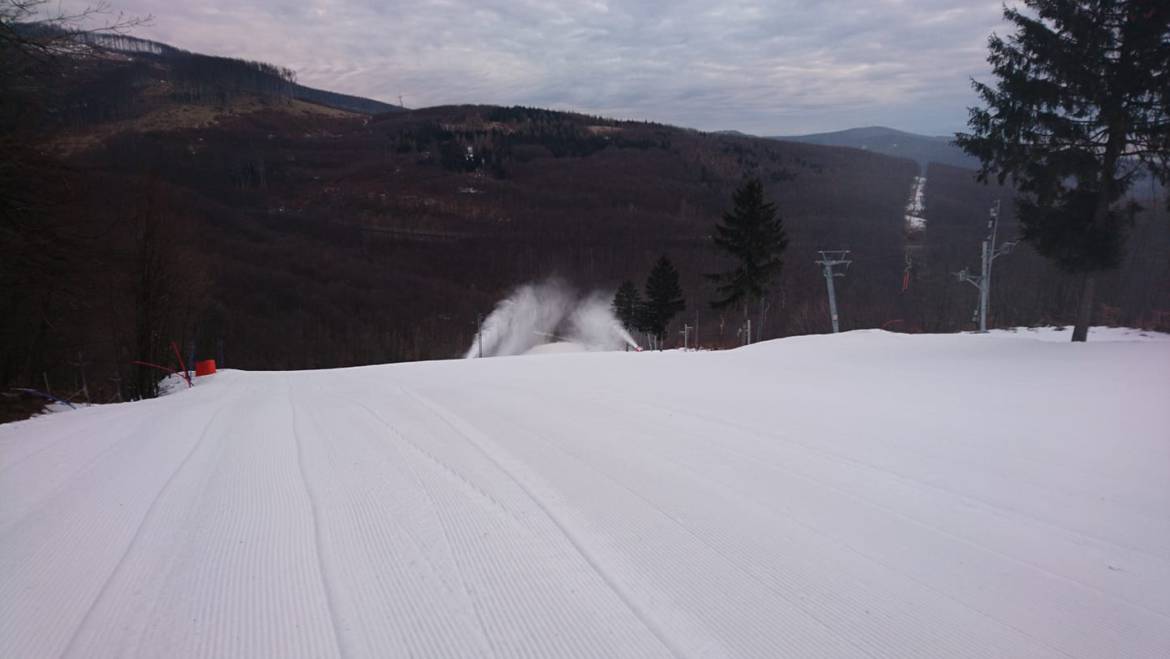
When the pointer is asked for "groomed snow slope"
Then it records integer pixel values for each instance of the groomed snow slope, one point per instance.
(858, 495)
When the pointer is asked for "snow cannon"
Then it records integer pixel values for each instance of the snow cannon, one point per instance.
(205, 367)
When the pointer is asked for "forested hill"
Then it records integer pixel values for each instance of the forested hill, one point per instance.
(342, 101)
(144, 67)
(212, 66)
(923, 149)
(206, 205)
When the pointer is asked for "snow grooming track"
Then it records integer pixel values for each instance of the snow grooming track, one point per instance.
(409, 607)
(235, 551)
(133, 575)
(476, 440)
(932, 642)
(653, 568)
(578, 595)
(855, 469)
(328, 584)
(611, 504)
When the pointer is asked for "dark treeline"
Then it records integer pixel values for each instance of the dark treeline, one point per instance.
(278, 239)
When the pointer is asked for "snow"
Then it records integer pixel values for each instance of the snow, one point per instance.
(855, 495)
(549, 312)
(1096, 334)
(557, 347)
(916, 207)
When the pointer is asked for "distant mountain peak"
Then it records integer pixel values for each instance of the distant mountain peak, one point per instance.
(923, 149)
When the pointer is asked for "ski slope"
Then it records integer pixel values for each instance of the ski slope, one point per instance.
(859, 495)
(916, 207)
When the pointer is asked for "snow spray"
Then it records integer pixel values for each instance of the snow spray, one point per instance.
(533, 314)
(593, 325)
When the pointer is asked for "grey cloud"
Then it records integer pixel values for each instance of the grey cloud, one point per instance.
(766, 68)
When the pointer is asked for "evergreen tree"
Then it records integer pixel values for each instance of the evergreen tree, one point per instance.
(664, 298)
(1080, 104)
(753, 234)
(627, 305)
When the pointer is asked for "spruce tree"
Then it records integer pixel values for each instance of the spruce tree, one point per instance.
(1080, 103)
(664, 298)
(627, 306)
(752, 233)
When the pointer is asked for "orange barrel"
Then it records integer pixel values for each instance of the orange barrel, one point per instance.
(205, 367)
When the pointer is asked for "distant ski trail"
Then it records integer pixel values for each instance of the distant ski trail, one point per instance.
(632, 505)
(915, 217)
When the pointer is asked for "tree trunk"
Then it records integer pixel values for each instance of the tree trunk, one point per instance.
(1113, 150)
(763, 318)
(744, 327)
(1085, 308)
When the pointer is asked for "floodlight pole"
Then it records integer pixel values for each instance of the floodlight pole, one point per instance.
(829, 259)
(989, 253)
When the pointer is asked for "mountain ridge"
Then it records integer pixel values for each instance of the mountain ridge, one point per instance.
(923, 149)
(137, 47)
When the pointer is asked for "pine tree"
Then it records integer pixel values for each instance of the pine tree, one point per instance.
(664, 298)
(753, 234)
(627, 306)
(1081, 101)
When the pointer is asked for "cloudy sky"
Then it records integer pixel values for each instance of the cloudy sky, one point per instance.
(779, 67)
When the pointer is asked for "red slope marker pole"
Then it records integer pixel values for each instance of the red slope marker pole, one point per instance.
(186, 375)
